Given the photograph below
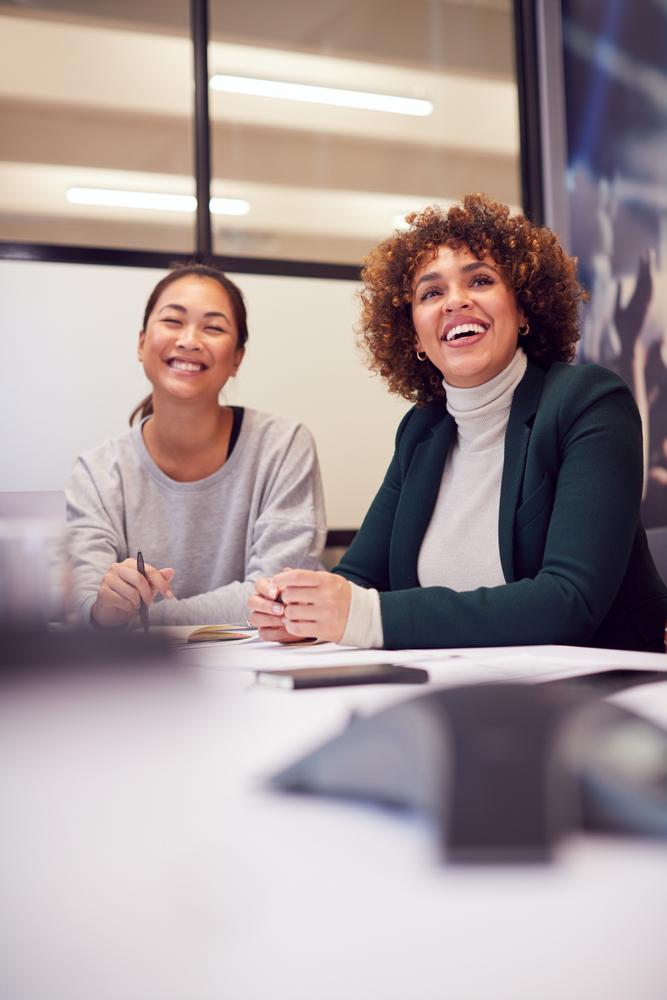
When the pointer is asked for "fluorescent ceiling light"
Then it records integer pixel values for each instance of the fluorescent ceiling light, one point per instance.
(320, 95)
(229, 206)
(132, 199)
(161, 202)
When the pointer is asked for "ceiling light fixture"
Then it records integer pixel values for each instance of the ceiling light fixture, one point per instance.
(146, 199)
(320, 95)
(229, 206)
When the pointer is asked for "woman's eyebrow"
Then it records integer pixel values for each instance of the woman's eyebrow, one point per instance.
(427, 277)
(476, 264)
(180, 308)
(173, 305)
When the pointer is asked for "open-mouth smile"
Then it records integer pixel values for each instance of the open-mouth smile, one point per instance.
(462, 331)
(190, 367)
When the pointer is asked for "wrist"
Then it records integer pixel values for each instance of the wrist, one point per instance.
(101, 624)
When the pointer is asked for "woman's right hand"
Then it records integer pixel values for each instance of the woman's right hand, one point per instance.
(123, 588)
(267, 612)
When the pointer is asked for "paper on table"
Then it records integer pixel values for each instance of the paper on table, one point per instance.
(257, 654)
(546, 663)
(445, 665)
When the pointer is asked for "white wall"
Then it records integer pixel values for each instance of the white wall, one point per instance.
(70, 375)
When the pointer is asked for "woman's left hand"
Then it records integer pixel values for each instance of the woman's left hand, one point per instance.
(314, 604)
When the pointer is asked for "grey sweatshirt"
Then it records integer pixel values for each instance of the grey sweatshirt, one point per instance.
(261, 511)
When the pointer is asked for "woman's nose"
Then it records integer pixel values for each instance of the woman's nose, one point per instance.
(456, 299)
(188, 338)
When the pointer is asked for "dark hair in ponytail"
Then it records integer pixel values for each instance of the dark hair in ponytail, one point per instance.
(145, 407)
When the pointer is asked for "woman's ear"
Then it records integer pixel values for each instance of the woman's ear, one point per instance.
(140, 345)
(238, 358)
(420, 353)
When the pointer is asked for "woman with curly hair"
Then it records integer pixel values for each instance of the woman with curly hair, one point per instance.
(510, 511)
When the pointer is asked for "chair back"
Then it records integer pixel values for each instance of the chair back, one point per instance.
(657, 543)
(337, 544)
(48, 505)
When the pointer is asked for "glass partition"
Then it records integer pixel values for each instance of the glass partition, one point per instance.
(95, 118)
(329, 121)
(332, 120)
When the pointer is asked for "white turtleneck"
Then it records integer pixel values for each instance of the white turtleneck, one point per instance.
(460, 548)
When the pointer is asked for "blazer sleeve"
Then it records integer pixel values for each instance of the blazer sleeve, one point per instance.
(591, 526)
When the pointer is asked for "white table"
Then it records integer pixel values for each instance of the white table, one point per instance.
(142, 857)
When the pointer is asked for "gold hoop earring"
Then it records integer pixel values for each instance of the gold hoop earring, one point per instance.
(524, 330)
(421, 355)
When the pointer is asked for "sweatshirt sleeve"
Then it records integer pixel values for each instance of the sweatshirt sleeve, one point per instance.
(289, 530)
(95, 536)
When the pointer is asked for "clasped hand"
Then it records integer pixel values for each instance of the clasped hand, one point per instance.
(298, 604)
(123, 588)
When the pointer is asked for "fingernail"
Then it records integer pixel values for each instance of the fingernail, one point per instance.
(273, 593)
(278, 609)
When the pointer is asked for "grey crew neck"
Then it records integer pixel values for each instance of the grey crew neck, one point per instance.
(197, 485)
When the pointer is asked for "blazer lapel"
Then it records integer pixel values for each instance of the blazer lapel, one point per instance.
(519, 425)
(415, 507)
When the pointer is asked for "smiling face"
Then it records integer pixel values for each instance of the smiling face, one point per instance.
(465, 317)
(189, 347)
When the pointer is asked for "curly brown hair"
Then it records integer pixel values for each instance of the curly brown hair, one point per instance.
(535, 267)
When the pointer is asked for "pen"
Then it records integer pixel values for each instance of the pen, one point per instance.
(143, 610)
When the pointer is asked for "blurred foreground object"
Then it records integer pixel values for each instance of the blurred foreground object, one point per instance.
(506, 769)
(34, 568)
(106, 748)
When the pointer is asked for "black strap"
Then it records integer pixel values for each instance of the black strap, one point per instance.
(237, 420)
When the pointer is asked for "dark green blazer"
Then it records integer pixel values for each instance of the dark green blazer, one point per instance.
(572, 549)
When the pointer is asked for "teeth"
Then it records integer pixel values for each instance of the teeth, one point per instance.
(186, 366)
(463, 329)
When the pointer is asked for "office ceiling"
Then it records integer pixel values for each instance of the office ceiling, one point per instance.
(464, 35)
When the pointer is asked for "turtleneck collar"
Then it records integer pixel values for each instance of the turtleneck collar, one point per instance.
(481, 411)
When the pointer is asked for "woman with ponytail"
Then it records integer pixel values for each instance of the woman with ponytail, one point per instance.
(214, 496)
